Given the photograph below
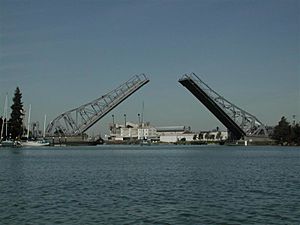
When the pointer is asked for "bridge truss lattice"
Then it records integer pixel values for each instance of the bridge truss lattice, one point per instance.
(77, 121)
(237, 120)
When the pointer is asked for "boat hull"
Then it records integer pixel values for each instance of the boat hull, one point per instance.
(35, 143)
(10, 144)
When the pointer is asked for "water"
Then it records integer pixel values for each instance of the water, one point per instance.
(150, 185)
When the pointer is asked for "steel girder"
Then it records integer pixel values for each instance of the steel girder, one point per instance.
(79, 120)
(237, 120)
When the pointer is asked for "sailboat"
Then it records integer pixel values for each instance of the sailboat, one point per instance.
(35, 143)
(7, 142)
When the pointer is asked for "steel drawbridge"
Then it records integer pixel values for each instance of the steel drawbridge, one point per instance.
(77, 121)
(239, 122)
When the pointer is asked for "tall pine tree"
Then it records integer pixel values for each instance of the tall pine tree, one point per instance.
(16, 121)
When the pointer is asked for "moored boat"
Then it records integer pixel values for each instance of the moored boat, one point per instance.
(37, 143)
(10, 143)
(145, 142)
(6, 141)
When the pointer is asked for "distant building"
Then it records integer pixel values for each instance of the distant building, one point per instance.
(133, 132)
(168, 134)
(172, 134)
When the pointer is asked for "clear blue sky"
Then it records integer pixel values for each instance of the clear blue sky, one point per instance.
(64, 53)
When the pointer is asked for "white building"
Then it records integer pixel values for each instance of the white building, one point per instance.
(133, 131)
(172, 134)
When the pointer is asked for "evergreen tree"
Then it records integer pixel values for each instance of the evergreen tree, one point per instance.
(285, 134)
(16, 121)
(282, 131)
(295, 136)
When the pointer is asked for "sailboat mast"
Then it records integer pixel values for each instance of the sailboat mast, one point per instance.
(143, 114)
(4, 117)
(28, 122)
(44, 132)
(143, 137)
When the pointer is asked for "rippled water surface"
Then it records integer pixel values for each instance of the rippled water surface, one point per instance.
(150, 185)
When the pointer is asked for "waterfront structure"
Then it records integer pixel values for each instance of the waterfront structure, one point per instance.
(79, 120)
(74, 123)
(240, 123)
(133, 132)
(173, 134)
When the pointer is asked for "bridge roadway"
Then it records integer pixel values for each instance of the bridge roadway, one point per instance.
(212, 106)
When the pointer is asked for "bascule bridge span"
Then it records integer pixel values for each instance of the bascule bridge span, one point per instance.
(78, 120)
(239, 122)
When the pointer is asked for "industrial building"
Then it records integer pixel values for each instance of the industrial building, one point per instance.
(132, 132)
(144, 131)
(172, 134)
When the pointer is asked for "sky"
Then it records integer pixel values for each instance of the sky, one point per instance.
(65, 53)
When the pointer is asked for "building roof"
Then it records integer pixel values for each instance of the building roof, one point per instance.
(171, 129)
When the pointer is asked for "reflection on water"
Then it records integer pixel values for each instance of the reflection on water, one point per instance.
(150, 185)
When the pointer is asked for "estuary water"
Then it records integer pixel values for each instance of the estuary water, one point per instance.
(150, 185)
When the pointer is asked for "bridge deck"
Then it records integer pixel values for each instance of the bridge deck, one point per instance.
(200, 94)
(78, 120)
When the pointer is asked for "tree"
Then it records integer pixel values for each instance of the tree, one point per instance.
(282, 131)
(16, 120)
(295, 135)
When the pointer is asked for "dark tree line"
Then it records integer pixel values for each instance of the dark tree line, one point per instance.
(286, 134)
(15, 123)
